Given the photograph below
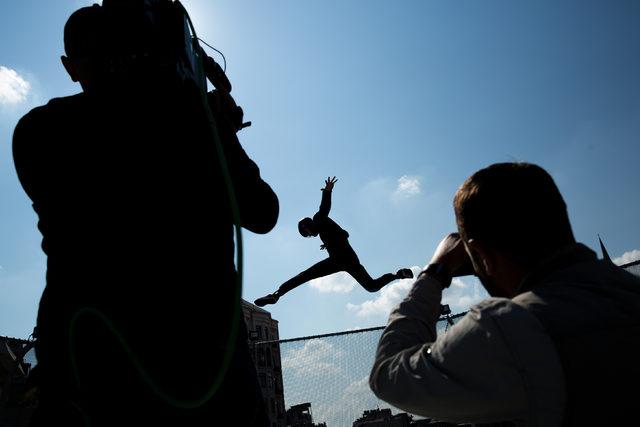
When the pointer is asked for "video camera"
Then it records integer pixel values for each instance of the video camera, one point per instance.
(145, 37)
(154, 41)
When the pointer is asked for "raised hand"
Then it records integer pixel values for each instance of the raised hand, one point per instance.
(328, 183)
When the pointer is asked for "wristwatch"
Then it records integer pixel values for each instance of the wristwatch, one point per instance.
(440, 273)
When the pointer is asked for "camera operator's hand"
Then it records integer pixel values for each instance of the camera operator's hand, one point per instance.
(453, 257)
(223, 104)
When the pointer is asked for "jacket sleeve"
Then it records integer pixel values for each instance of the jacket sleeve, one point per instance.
(257, 203)
(469, 374)
(325, 205)
(28, 158)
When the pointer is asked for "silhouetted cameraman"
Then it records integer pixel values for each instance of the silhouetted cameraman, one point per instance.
(140, 321)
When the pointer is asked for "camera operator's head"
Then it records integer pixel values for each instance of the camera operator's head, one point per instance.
(84, 47)
(132, 47)
(511, 217)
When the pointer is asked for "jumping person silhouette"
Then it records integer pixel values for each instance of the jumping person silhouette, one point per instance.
(342, 257)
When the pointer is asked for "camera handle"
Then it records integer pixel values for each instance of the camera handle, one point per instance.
(216, 75)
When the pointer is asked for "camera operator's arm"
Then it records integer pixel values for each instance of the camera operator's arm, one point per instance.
(257, 202)
(30, 157)
(224, 107)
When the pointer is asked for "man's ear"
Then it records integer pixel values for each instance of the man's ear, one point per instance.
(480, 253)
(70, 67)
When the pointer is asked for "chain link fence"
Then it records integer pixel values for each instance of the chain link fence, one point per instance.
(331, 372)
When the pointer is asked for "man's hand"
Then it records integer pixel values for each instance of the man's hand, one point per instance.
(222, 103)
(452, 255)
(328, 183)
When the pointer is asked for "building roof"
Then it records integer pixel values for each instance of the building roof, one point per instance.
(17, 340)
(254, 307)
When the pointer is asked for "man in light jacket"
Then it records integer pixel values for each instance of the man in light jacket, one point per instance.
(557, 344)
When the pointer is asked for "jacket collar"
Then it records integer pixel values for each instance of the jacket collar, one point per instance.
(568, 255)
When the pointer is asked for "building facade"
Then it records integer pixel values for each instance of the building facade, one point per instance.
(17, 403)
(266, 355)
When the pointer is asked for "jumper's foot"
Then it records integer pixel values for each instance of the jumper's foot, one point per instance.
(404, 273)
(268, 299)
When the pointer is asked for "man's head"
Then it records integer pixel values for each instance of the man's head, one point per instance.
(307, 228)
(511, 216)
(83, 45)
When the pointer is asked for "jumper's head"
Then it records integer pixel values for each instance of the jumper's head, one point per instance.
(307, 228)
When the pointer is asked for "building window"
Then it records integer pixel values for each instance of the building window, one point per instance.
(259, 331)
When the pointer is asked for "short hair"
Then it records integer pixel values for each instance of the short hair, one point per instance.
(84, 32)
(305, 223)
(515, 208)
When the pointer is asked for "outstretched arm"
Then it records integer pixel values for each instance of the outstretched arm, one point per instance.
(325, 204)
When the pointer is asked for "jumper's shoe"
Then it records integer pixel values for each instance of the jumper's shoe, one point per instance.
(404, 273)
(268, 299)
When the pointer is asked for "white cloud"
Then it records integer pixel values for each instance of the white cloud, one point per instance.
(389, 297)
(394, 190)
(627, 257)
(13, 87)
(407, 186)
(357, 388)
(341, 283)
(316, 357)
(461, 295)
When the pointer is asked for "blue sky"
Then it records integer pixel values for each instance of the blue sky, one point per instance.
(401, 101)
